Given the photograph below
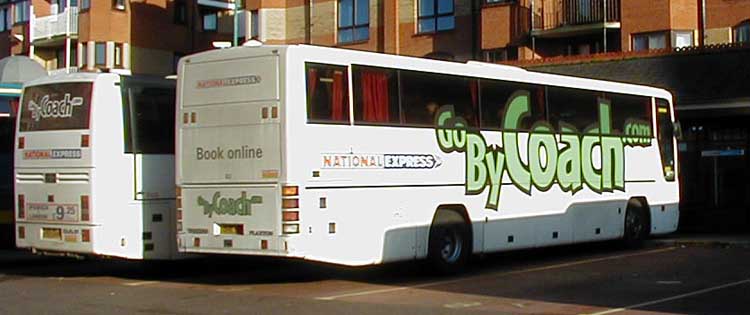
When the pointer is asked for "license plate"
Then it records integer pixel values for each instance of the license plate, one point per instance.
(52, 234)
(231, 229)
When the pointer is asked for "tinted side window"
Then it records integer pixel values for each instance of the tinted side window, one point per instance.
(375, 95)
(496, 95)
(423, 93)
(150, 118)
(629, 108)
(327, 93)
(574, 107)
(665, 137)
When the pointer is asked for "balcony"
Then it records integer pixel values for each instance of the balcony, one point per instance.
(565, 18)
(49, 27)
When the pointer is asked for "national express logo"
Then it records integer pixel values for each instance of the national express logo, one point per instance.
(570, 166)
(47, 108)
(229, 206)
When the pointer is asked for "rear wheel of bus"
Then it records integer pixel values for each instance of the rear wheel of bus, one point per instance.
(450, 242)
(637, 223)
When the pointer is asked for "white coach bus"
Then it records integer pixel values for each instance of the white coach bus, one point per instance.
(94, 166)
(361, 158)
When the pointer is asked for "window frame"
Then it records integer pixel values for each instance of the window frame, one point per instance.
(435, 16)
(736, 30)
(84, 5)
(216, 21)
(96, 54)
(665, 36)
(354, 25)
(119, 5)
(25, 6)
(308, 98)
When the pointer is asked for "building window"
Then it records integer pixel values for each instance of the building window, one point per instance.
(85, 4)
(84, 55)
(100, 54)
(3, 14)
(682, 39)
(210, 21)
(742, 32)
(498, 1)
(180, 12)
(354, 21)
(8, 19)
(118, 4)
(21, 11)
(504, 54)
(254, 24)
(649, 41)
(435, 16)
(119, 55)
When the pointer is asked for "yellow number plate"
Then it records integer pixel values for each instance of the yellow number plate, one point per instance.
(52, 234)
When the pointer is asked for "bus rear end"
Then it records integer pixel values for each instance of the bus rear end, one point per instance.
(229, 164)
(54, 167)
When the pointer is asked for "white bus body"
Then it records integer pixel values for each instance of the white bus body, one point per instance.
(94, 166)
(263, 169)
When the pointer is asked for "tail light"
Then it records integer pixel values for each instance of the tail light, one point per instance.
(289, 203)
(21, 232)
(21, 207)
(178, 204)
(21, 142)
(287, 216)
(290, 228)
(289, 191)
(85, 216)
(85, 141)
(86, 235)
(196, 242)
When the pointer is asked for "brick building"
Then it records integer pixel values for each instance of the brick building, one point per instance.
(144, 37)
(148, 36)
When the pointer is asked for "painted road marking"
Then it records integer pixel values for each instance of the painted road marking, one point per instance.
(140, 283)
(676, 297)
(462, 305)
(507, 273)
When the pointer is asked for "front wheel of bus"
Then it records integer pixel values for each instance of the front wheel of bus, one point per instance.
(636, 224)
(449, 246)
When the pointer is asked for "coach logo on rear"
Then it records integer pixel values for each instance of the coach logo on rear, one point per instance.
(229, 206)
(54, 108)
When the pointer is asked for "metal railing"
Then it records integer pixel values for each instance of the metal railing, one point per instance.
(56, 24)
(62, 70)
(559, 13)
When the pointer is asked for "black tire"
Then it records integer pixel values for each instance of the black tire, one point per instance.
(449, 246)
(637, 225)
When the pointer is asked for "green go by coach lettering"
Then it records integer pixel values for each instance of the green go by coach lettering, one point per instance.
(229, 206)
(570, 165)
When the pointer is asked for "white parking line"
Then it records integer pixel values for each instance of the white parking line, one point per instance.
(140, 283)
(676, 297)
(437, 283)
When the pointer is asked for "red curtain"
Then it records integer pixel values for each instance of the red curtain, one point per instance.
(375, 96)
(312, 82)
(13, 107)
(338, 97)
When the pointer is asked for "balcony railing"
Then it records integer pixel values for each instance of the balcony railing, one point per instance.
(62, 70)
(560, 13)
(56, 24)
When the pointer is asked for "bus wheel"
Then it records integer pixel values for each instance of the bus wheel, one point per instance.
(449, 245)
(637, 224)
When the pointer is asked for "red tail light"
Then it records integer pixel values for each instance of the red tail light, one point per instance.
(287, 216)
(179, 215)
(21, 207)
(86, 235)
(289, 203)
(21, 232)
(85, 216)
(196, 242)
(21, 142)
(84, 141)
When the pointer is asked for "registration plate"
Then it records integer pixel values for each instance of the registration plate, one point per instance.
(231, 229)
(52, 234)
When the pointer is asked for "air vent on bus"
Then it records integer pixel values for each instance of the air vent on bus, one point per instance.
(73, 178)
(30, 178)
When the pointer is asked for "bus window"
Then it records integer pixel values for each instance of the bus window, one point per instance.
(375, 95)
(327, 93)
(62, 106)
(628, 109)
(147, 108)
(423, 93)
(495, 96)
(572, 107)
(665, 138)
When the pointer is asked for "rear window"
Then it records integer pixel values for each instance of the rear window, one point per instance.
(60, 106)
